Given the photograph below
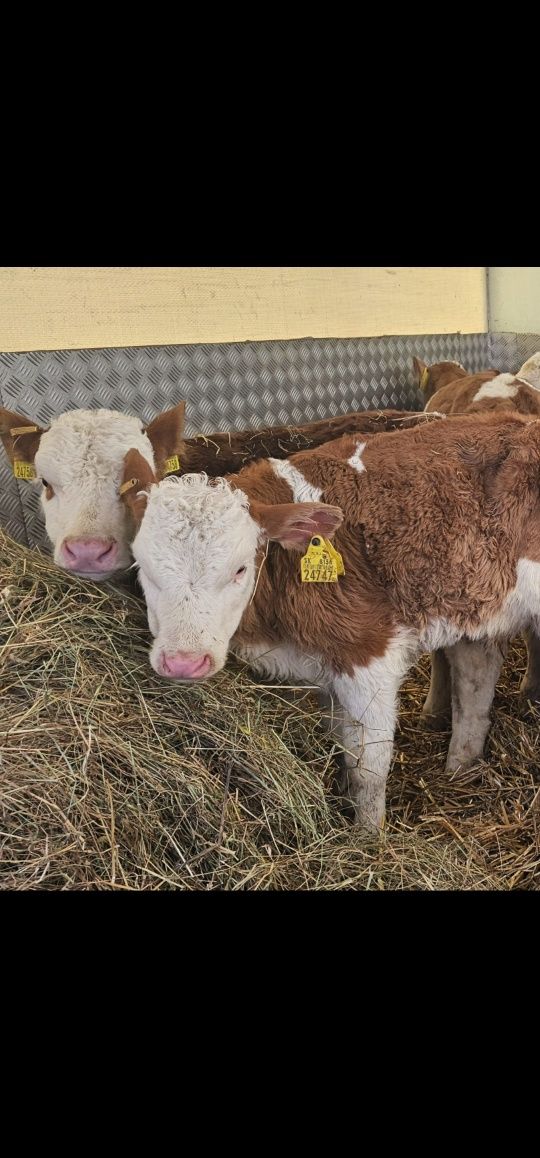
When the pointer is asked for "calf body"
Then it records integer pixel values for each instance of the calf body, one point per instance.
(80, 460)
(439, 530)
(451, 391)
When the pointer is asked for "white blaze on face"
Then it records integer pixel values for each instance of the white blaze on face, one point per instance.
(81, 458)
(196, 550)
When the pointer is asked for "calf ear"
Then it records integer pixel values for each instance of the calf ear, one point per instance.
(165, 433)
(138, 477)
(294, 524)
(420, 369)
(19, 446)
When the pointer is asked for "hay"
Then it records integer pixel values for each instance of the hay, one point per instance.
(110, 778)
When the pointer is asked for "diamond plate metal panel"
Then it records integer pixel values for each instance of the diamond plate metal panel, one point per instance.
(510, 351)
(231, 386)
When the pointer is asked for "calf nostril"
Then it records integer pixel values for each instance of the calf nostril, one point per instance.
(106, 552)
(68, 550)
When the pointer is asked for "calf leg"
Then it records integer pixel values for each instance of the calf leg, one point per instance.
(333, 718)
(530, 684)
(437, 709)
(475, 667)
(331, 711)
(369, 700)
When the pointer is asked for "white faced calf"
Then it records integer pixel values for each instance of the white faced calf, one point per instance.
(79, 462)
(196, 549)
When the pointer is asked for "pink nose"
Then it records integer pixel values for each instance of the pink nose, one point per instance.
(185, 665)
(87, 554)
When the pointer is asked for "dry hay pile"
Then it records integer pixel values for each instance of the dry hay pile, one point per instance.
(111, 778)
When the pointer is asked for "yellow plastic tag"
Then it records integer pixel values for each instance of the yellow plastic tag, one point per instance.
(424, 379)
(172, 464)
(23, 469)
(16, 430)
(335, 555)
(321, 563)
(128, 485)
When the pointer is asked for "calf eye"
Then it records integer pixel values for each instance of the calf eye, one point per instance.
(241, 571)
(48, 489)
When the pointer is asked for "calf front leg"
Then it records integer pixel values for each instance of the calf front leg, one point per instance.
(367, 726)
(333, 718)
(475, 667)
(530, 684)
(437, 709)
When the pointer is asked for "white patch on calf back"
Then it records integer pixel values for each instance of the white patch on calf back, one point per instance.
(356, 459)
(302, 490)
(503, 386)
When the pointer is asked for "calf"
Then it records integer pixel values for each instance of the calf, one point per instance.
(439, 532)
(80, 460)
(450, 390)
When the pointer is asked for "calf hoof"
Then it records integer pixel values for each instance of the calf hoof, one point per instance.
(436, 722)
(530, 694)
(461, 763)
(371, 822)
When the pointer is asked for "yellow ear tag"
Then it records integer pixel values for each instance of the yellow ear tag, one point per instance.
(321, 563)
(128, 485)
(23, 469)
(172, 464)
(424, 379)
(334, 555)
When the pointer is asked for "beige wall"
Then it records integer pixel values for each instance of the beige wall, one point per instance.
(66, 308)
(514, 298)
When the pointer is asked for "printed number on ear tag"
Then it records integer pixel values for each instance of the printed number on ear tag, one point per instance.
(321, 563)
(172, 464)
(23, 469)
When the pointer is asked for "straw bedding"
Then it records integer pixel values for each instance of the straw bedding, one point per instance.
(110, 778)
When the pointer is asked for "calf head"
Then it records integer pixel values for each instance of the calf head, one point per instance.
(431, 378)
(197, 547)
(79, 461)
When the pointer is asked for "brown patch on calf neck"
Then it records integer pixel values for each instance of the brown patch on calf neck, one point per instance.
(22, 447)
(347, 623)
(139, 473)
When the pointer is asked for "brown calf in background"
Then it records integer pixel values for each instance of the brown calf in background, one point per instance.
(450, 390)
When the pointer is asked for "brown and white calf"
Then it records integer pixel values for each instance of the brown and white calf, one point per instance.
(80, 460)
(450, 390)
(439, 531)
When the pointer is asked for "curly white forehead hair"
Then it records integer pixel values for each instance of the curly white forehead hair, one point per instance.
(193, 500)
